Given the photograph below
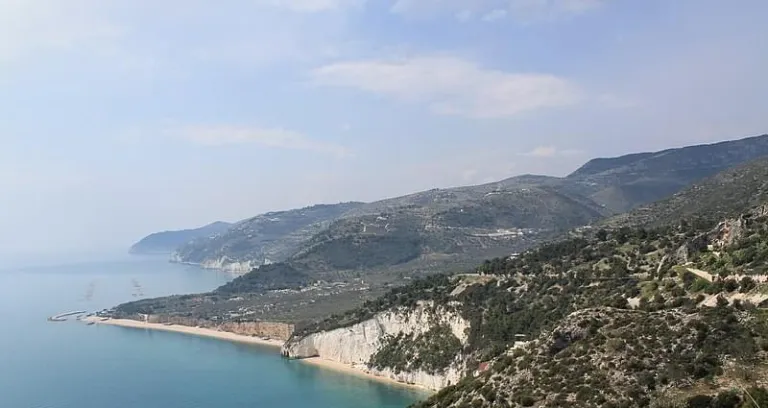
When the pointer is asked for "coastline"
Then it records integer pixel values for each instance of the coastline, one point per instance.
(239, 338)
(195, 331)
(352, 370)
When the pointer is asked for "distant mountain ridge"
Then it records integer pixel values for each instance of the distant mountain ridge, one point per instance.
(729, 192)
(260, 239)
(167, 241)
(464, 223)
(625, 182)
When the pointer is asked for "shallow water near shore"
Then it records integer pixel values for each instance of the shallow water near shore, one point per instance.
(71, 365)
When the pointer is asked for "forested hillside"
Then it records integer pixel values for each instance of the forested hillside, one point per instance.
(441, 227)
(725, 194)
(626, 182)
(615, 318)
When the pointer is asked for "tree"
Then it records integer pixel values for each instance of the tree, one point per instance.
(721, 301)
(726, 399)
(699, 401)
(747, 284)
(730, 285)
(755, 395)
(622, 235)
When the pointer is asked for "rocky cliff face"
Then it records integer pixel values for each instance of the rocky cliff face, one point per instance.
(222, 263)
(356, 344)
(272, 330)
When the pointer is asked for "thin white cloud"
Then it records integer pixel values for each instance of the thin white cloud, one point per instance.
(452, 86)
(129, 35)
(311, 6)
(28, 26)
(464, 15)
(551, 151)
(495, 15)
(519, 10)
(268, 137)
(542, 10)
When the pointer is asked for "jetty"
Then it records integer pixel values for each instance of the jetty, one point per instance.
(62, 317)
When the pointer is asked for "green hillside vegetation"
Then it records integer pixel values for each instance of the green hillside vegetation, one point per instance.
(528, 207)
(443, 227)
(273, 235)
(224, 300)
(723, 195)
(357, 252)
(613, 318)
(626, 182)
(268, 277)
(431, 351)
(469, 228)
(617, 358)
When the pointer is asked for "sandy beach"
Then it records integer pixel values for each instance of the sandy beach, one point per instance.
(222, 335)
(196, 331)
(351, 370)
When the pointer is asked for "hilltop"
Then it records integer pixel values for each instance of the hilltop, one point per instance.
(167, 241)
(625, 182)
(252, 242)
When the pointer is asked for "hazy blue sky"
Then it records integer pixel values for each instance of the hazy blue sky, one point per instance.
(122, 117)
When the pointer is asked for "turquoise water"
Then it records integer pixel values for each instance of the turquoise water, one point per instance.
(71, 365)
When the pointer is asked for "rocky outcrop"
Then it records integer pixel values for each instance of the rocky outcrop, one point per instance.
(222, 263)
(762, 210)
(434, 382)
(728, 232)
(356, 344)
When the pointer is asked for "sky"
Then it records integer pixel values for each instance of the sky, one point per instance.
(119, 118)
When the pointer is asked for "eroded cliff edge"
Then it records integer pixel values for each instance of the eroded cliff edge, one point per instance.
(371, 345)
(267, 330)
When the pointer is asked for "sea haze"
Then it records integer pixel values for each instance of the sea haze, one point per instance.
(71, 365)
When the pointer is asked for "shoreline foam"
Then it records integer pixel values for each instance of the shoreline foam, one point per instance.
(239, 338)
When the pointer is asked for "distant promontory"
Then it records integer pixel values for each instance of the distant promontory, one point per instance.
(167, 241)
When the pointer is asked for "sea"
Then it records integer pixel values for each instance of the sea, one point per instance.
(69, 364)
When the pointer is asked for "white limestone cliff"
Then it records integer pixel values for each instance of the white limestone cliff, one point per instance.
(354, 345)
(225, 264)
(222, 263)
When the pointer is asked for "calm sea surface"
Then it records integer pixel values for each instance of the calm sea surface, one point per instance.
(71, 365)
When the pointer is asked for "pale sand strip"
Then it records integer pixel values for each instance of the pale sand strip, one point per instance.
(352, 370)
(222, 335)
(197, 331)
